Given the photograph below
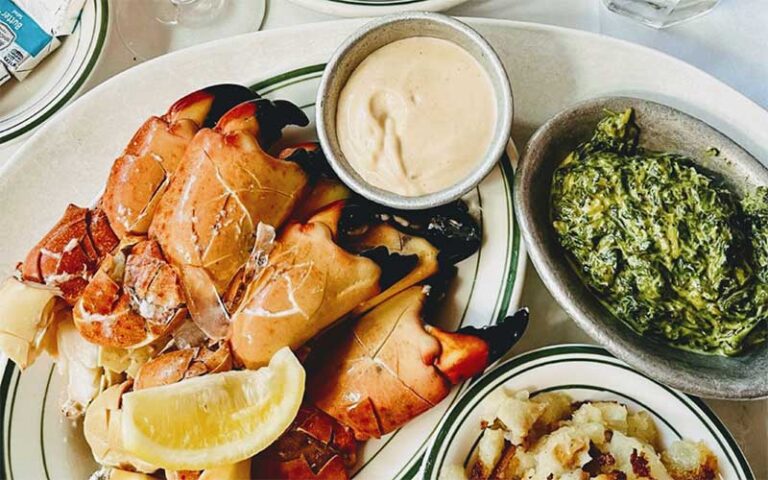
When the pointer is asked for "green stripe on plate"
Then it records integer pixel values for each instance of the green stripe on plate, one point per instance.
(377, 3)
(5, 386)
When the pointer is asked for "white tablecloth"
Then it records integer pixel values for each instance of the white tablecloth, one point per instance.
(730, 43)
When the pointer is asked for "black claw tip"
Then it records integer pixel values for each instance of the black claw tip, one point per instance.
(502, 336)
(225, 97)
(290, 113)
(273, 116)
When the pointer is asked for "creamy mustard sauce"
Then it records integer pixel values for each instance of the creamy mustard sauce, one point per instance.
(416, 116)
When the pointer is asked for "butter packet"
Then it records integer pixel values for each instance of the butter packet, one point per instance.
(23, 42)
(57, 17)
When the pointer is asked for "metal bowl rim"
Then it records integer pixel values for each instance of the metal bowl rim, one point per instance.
(504, 97)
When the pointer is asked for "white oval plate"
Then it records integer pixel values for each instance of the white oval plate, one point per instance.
(371, 8)
(585, 373)
(488, 288)
(68, 160)
(53, 83)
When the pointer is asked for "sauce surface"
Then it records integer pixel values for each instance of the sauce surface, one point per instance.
(416, 116)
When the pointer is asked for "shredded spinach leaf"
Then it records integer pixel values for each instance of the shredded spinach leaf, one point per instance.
(666, 246)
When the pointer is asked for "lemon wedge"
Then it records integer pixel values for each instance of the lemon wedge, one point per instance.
(213, 420)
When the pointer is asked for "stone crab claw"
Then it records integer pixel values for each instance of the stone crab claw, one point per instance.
(390, 366)
(452, 228)
(140, 175)
(308, 284)
(383, 241)
(315, 447)
(67, 256)
(225, 186)
(133, 299)
(317, 274)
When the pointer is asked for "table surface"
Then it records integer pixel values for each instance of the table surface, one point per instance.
(730, 43)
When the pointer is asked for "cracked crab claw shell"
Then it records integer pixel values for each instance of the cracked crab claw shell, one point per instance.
(26, 319)
(224, 187)
(103, 431)
(175, 366)
(133, 299)
(392, 366)
(383, 373)
(66, 257)
(315, 447)
(140, 175)
(309, 283)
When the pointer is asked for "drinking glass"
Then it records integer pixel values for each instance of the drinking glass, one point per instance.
(661, 13)
(150, 28)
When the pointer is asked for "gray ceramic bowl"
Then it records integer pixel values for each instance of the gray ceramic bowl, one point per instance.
(662, 128)
(375, 35)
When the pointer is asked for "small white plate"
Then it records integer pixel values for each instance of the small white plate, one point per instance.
(372, 8)
(584, 372)
(53, 83)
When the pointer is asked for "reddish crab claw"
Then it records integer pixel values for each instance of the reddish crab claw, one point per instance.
(70, 252)
(391, 367)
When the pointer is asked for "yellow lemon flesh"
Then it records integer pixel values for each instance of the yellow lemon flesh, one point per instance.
(215, 419)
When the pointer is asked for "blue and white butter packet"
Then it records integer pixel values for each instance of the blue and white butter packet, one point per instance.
(57, 17)
(27, 38)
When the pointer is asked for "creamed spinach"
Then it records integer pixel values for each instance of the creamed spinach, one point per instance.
(665, 245)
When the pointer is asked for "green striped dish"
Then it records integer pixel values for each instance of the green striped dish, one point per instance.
(57, 79)
(367, 8)
(38, 443)
(585, 372)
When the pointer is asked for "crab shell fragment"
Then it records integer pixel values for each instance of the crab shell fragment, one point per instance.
(315, 447)
(67, 256)
(224, 187)
(181, 364)
(102, 429)
(133, 299)
(26, 321)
